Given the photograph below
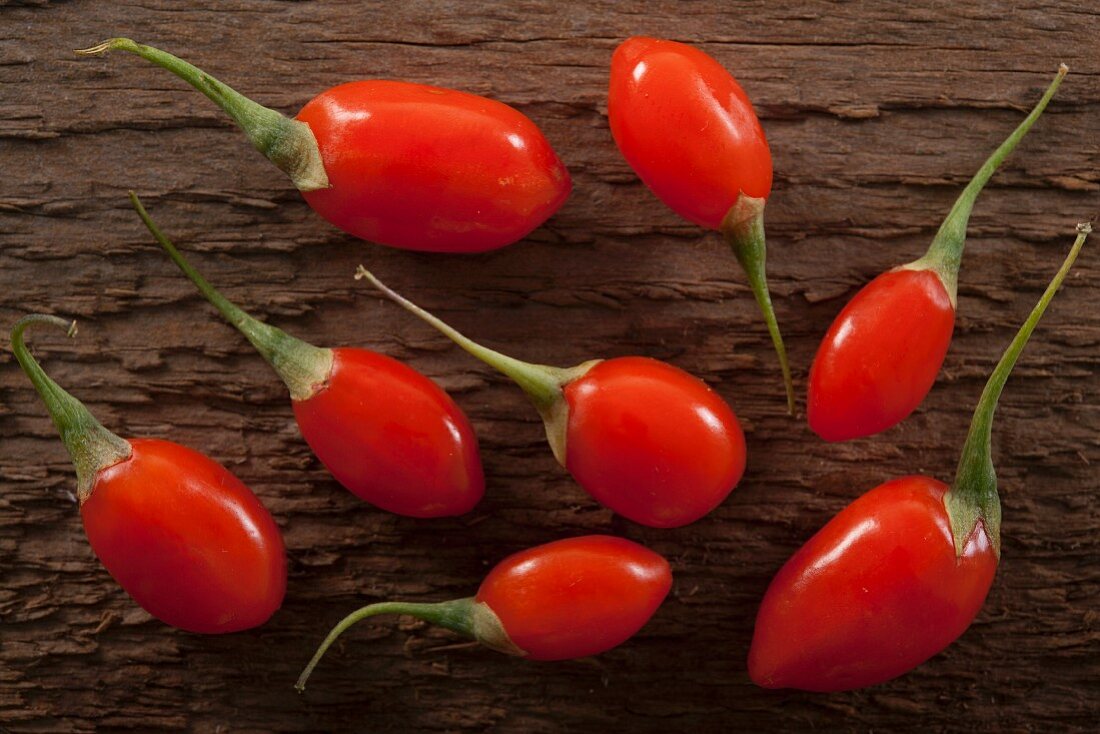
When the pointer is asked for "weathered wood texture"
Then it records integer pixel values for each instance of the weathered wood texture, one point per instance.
(877, 112)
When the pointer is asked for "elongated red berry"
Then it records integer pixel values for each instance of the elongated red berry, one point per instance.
(183, 536)
(651, 442)
(425, 168)
(576, 597)
(881, 355)
(386, 432)
(687, 128)
(895, 592)
(406, 165)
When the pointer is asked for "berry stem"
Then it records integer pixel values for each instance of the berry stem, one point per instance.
(973, 496)
(303, 367)
(288, 143)
(945, 253)
(743, 229)
(468, 617)
(91, 446)
(542, 383)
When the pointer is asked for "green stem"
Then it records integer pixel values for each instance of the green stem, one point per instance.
(288, 143)
(945, 253)
(743, 229)
(973, 496)
(303, 367)
(542, 383)
(458, 616)
(91, 446)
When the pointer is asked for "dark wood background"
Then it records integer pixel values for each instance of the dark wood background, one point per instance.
(877, 114)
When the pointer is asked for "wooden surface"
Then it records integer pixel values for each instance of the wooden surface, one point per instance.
(877, 113)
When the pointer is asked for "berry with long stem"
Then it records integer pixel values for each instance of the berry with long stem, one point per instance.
(644, 438)
(883, 351)
(688, 129)
(181, 534)
(405, 165)
(566, 599)
(386, 432)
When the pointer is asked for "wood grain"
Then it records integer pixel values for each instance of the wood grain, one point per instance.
(877, 113)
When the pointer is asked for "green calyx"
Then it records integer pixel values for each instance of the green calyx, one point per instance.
(543, 384)
(91, 446)
(973, 496)
(288, 143)
(743, 229)
(945, 253)
(468, 617)
(303, 367)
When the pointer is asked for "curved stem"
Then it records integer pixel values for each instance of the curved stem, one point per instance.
(303, 367)
(91, 446)
(743, 229)
(945, 253)
(542, 383)
(973, 495)
(288, 143)
(457, 615)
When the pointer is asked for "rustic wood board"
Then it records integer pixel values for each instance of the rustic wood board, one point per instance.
(877, 113)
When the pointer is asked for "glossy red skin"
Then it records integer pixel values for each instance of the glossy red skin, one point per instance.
(576, 597)
(881, 355)
(651, 442)
(393, 437)
(872, 595)
(686, 127)
(426, 168)
(186, 539)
